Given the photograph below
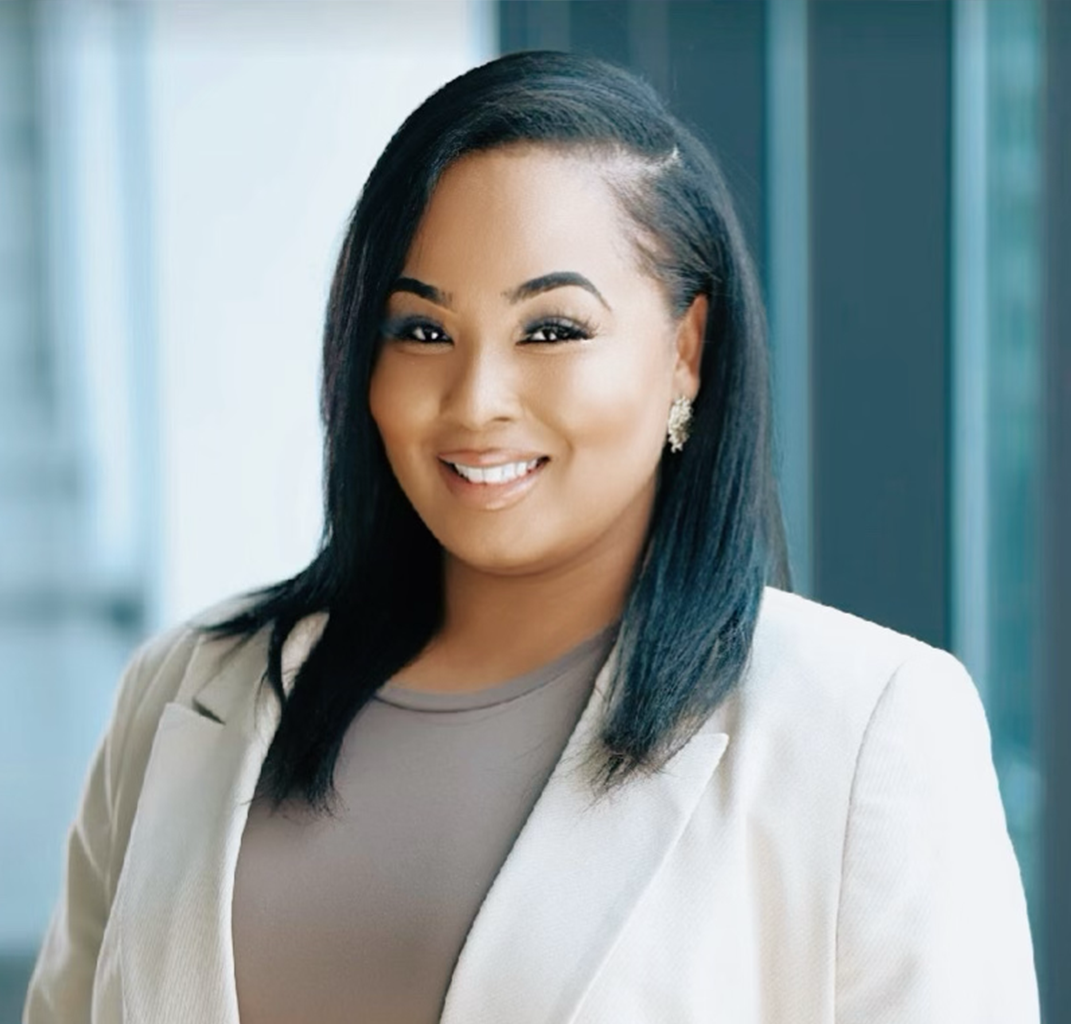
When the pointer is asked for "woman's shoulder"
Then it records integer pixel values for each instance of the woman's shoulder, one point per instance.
(811, 663)
(160, 664)
(171, 665)
(805, 629)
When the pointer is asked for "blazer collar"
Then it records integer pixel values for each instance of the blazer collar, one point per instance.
(552, 915)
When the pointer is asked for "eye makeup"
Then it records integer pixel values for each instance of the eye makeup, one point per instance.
(553, 328)
(564, 328)
(419, 329)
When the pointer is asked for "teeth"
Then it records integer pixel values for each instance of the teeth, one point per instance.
(495, 474)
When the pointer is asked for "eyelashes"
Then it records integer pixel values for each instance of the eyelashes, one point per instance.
(414, 329)
(555, 329)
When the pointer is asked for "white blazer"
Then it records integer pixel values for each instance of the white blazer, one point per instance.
(829, 849)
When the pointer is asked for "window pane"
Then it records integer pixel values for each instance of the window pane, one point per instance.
(1014, 308)
(998, 339)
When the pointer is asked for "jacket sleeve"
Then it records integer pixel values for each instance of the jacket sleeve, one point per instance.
(61, 986)
(932, 923)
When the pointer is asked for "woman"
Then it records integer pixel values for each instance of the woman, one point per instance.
(532, 738)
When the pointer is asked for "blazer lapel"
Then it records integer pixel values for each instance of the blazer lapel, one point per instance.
(175, 897)
(571, 881)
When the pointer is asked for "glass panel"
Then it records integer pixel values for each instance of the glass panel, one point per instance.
(998, 337)
(1014, 44)
(67, 620)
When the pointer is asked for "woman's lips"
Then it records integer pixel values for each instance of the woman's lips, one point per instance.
(493, 473)
(491, 480)
(489, 456)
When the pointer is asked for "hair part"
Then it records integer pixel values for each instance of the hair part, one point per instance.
(715, 537)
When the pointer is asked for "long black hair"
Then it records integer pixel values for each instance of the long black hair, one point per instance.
(716, 535)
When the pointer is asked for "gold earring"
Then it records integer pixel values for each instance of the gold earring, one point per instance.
(678, 428)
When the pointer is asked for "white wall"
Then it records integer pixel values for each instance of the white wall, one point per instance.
(265, 120)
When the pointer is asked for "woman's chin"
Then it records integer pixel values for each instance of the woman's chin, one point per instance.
(484, 555)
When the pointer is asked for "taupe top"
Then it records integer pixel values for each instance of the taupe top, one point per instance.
(360, 917)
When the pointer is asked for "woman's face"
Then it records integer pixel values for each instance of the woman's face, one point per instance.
(528, 366)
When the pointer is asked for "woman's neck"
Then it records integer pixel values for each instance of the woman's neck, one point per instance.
(498, 626)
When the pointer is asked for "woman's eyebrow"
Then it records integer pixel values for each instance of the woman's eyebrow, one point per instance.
(424, 291)
(548, 282)
(536, 286)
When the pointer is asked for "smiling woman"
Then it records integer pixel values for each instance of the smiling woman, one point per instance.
(539, 736)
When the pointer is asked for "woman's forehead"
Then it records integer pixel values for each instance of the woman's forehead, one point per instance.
(513, 214)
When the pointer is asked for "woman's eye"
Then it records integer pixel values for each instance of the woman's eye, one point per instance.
(419, 331)
(558, 330)
(426, 333)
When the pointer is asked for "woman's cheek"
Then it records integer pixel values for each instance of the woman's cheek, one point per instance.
(613, 406)
(400, 401)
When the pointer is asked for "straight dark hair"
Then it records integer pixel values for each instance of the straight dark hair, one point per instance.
(716, 535)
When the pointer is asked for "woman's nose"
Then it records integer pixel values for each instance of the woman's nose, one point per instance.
(483, 388)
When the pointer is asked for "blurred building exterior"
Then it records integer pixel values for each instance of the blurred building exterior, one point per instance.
(174, 180)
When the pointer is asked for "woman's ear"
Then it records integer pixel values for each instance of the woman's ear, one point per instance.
(691, 330)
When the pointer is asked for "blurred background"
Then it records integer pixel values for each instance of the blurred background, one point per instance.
(174, 181)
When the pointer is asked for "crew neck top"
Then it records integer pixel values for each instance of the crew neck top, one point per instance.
(360, 916)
